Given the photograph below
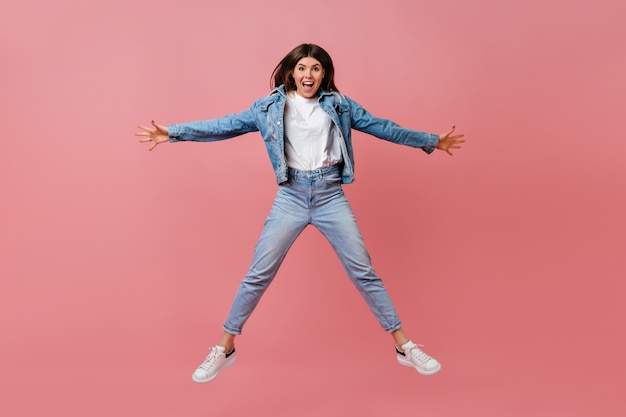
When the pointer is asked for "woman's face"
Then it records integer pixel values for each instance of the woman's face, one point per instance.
(308, 74)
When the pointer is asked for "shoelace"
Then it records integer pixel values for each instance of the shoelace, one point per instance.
(416, 353)
(210, 359)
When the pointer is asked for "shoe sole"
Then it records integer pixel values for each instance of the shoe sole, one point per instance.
(226, 365)
(405, 362)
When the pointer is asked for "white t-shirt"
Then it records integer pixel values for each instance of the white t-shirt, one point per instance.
(311, 137)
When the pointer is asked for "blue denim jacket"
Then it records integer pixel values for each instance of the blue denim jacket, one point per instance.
(266, 116)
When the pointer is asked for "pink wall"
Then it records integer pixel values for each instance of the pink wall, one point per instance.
(118, 265)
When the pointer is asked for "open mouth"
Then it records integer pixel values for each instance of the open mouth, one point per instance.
(308, 84)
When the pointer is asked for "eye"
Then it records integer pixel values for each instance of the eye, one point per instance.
(316, 69)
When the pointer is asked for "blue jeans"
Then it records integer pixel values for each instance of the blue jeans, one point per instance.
(311, 197)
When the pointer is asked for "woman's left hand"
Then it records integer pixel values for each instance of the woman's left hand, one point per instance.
(448, 141)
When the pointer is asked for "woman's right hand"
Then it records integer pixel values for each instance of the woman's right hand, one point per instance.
(157, 135)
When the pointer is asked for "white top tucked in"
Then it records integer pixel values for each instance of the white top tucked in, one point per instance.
(311, 137)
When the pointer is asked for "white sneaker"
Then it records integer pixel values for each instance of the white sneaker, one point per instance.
(213, 364)
(415, 358)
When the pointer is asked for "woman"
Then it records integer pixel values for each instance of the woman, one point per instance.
(306, 125)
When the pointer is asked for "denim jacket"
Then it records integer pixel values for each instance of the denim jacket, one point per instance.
(266, 116)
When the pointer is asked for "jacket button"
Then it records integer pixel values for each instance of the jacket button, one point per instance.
(278, 123)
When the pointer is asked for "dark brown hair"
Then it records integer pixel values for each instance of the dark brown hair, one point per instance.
(282, 72)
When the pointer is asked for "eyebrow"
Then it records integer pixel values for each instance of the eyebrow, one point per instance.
(314, 65)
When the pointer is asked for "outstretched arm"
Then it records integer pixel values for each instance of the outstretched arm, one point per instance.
(157, 135)
(448, 141)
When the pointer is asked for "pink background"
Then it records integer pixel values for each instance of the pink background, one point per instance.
(118, 265)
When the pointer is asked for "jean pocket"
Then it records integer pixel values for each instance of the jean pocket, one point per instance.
(332, 178)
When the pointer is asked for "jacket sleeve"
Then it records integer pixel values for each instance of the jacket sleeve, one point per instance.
(364, 121)
(212, 130)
